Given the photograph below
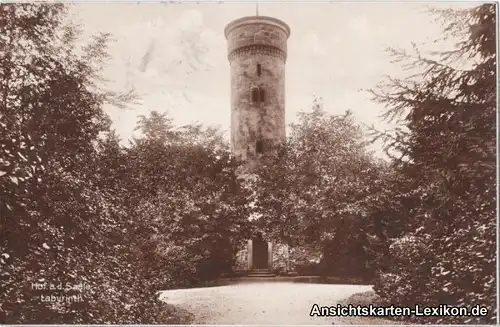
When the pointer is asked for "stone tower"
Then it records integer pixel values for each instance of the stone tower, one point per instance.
(257, 50)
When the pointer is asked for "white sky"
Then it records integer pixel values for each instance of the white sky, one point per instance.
(174, 55)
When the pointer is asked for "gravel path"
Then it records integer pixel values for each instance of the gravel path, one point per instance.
(265, 303)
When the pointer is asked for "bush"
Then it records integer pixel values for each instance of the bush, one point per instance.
(177, 268)
(310, 269)
(404, 284)
(450, 271)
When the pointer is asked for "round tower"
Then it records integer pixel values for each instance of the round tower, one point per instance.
(257, 51)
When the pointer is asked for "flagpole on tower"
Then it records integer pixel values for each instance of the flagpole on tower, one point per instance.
(257, 9)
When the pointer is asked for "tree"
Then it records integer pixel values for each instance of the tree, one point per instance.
(185, 191)
(59, 220)
(448, 159)
(312, 190)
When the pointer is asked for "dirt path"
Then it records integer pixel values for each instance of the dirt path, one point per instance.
(265, 303)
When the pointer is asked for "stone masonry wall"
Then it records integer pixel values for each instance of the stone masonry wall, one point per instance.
(257, 30)
(251, 42)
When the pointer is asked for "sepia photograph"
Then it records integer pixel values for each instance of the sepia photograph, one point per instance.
(248, 163)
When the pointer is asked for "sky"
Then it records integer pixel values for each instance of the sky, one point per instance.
(175, 55)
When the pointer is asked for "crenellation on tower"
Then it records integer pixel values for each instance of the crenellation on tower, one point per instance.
(253, 30)
(257, 50)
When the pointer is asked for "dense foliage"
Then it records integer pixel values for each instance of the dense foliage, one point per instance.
(445, 253)
(313, 191)
(185, 200)
(57, 214)
(78, 209)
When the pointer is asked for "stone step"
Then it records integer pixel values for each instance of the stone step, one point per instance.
(260, 273)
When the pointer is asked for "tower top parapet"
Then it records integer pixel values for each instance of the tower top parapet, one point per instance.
(256, 20)
(257, 31)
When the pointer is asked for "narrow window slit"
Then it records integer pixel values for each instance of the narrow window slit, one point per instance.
(255, 95)
(259, 147)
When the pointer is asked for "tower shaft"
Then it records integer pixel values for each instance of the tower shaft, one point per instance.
(257, 50)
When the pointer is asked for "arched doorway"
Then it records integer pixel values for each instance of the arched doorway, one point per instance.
(260, 254)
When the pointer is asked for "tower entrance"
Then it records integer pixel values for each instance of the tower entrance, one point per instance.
(260, 253)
